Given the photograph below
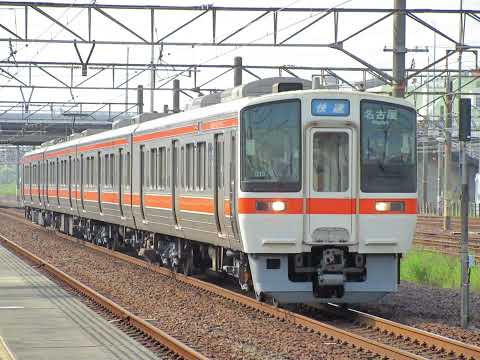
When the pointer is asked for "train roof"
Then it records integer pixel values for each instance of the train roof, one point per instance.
(208, 112)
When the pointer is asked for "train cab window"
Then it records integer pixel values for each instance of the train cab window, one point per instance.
(271, 147)
(330, 162)
(201, 152)
(388, 148)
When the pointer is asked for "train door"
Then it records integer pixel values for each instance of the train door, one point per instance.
(330, 204)
(175, 183)
(219, 188)
(230, 207)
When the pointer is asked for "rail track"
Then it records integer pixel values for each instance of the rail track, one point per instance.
(384, 338)
(152, 336)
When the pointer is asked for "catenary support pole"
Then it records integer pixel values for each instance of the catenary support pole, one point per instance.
(18, 175)
(176, 96)
(140, 99)
(425, 177)
(237, 71)
(398, 69)
(447, 156)
(464, 118)
(439, 176)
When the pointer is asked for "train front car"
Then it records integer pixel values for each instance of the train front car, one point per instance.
(327, 198)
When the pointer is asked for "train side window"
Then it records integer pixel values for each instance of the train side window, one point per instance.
(182, 167)
(167, 168)
(92, 175)
(99, 170)
(57, 172)
(161, 171)
(105, 170)
(128, 169)
(153, 168)
(112, 170)
(190, 166)
(201, 165)
(81, 171)
(69, 170)
(210, 164)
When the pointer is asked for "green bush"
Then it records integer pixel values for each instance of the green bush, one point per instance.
(8, 189)
(436, 269)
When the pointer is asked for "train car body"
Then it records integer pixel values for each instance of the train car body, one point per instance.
(306, 196)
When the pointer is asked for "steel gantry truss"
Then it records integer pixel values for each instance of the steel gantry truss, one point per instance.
(83, 38)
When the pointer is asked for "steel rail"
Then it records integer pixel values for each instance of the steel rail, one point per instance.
(302, 321)
(423, 337)
(163, 338)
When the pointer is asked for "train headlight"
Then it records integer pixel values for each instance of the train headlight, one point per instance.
(382, 206)
(278, 205)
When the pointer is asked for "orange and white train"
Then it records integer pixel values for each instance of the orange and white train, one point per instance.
(303, 195)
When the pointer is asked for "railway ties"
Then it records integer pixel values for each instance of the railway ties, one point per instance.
(379, 337)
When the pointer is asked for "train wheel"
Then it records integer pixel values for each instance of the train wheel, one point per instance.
(260, 296)
(275, 302)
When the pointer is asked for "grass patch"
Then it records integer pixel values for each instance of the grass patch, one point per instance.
(435, 269)
(8, 189)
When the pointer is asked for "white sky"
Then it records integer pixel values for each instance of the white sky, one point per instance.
(368, 45)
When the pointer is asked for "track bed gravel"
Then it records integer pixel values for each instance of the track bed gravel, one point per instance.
(215, 327)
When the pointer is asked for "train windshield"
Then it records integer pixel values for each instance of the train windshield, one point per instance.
(271, 147)
(388, 148)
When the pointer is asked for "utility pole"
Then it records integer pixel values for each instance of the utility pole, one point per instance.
(464, 111)
(447, 155)
(398, 70)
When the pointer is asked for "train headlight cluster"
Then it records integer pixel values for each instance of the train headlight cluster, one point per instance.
(271, 205)
(397, 206)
